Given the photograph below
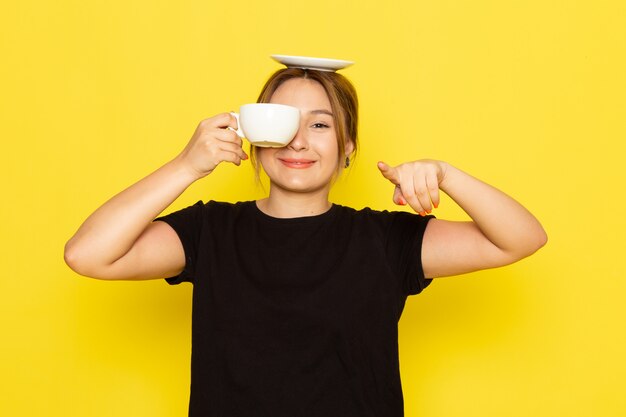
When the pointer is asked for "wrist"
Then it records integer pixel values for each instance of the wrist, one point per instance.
(184, 171)
(447, 174)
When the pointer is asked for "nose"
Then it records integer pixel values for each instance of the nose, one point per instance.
(300, 141)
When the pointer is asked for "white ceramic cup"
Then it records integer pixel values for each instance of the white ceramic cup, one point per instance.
(267, 124)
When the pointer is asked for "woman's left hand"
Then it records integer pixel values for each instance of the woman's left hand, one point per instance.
(417, 183)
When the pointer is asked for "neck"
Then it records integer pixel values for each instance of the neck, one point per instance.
(284, 204)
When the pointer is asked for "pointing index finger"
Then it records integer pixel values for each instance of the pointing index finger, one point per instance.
(388, 172)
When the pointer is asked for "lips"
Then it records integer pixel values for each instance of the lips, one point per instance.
(297, 163)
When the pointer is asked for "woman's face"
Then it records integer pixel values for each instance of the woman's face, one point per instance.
(309, 162)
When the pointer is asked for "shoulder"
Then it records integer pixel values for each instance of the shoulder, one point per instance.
(385, 222)
(221, 205)
(365, 212)
(200, 212)
(374, 215)
(213, 206)
(381, 219)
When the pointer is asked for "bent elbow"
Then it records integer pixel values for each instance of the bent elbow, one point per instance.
(540, 238)
(527, 246)
(78, 261)
(536, 242)
(73, 259)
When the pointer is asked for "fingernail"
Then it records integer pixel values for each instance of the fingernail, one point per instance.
(422, 213)
(437, 205)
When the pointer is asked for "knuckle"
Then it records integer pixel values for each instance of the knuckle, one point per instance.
(204, 124)
(231, 135)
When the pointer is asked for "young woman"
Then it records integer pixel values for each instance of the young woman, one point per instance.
(296, 300)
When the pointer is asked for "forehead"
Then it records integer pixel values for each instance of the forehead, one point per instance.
(306, 94)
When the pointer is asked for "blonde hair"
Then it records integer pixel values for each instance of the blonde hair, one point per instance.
(343, 101)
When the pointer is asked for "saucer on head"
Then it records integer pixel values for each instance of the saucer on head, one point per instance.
(306, 62)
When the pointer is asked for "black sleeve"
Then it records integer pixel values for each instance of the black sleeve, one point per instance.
(187, 223)
(404, 250)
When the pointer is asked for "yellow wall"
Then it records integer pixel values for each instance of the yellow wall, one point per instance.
(528, 95)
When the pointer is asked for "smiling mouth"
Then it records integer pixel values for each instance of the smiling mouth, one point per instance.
(296, 163)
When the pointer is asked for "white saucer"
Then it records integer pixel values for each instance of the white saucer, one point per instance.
(319, 64)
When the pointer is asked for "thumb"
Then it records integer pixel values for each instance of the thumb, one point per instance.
(389, 172)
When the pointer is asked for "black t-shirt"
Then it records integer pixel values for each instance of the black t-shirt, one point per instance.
(297, 317)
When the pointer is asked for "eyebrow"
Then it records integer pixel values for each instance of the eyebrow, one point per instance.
(321, 111)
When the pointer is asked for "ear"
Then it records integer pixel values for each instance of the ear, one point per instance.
(349, 148)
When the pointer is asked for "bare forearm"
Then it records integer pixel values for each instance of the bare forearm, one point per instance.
(118, 240)
(502, 220)
(112, 229)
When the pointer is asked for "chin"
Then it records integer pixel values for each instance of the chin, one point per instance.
(299, 186)
(300, 180)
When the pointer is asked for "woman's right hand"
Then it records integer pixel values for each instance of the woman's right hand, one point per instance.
(212, 143)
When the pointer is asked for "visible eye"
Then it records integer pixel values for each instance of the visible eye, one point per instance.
(320, 125)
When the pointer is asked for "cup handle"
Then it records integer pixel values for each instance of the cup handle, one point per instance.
(239, 132)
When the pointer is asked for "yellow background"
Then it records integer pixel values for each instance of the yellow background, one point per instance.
(528, 95)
